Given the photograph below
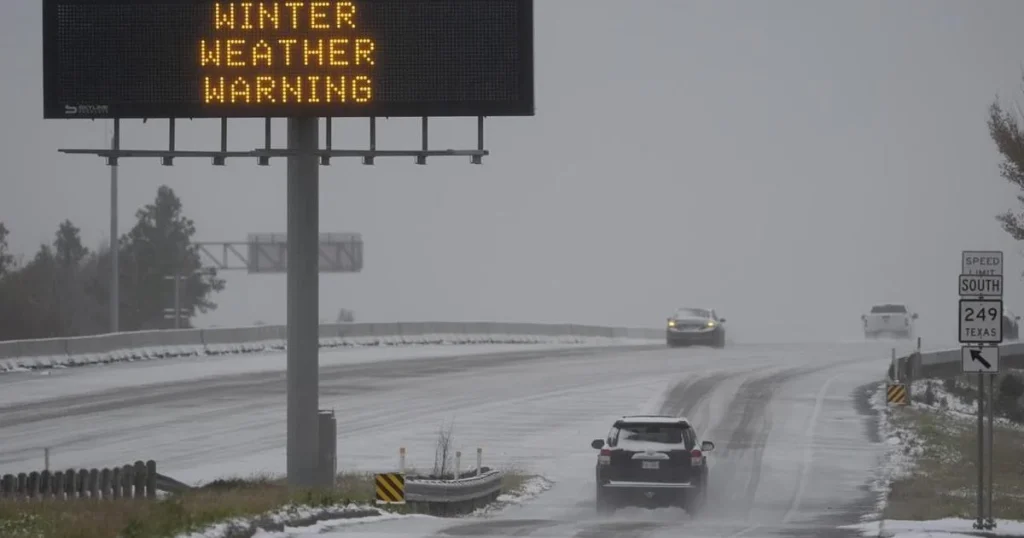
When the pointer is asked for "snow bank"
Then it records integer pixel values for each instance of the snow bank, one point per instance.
(280, 522)
(903, 446)
(287, 521)
(531, 489)
(276, 346)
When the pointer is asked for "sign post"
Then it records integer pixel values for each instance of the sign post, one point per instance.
(301, 60)
(981, 331)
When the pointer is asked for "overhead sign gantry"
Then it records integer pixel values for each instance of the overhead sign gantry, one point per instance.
(297, 59)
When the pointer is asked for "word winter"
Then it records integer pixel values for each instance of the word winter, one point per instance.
(288, 14)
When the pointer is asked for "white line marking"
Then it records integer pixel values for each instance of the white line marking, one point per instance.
(808, 449)
(744, 531)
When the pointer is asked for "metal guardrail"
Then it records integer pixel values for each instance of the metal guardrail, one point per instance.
(947, 363)
(148, 344)
(487, 484)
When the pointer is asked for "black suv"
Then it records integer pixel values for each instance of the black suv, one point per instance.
(652, 460)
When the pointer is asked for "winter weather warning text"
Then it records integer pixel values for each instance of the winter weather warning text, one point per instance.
(286, 52)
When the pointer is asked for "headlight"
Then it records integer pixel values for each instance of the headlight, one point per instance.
(711, 324)
(671, 323)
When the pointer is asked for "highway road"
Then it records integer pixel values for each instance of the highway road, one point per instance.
(794, 433)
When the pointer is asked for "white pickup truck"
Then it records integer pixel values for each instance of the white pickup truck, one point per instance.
(892, 319)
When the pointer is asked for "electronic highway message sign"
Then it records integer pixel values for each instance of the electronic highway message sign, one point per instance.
(287, 58)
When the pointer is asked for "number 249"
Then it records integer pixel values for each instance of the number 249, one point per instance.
(982, 314)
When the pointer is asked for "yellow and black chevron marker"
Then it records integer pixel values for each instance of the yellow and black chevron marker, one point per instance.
(390, 488)
(896, 393)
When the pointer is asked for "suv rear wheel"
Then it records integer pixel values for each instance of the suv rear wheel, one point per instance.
(603, 501)
(695, 499)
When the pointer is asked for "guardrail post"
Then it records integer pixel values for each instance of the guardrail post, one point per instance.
(895, 367)
(479, 460)
(458, 463)
(912, 361)
(401, 459)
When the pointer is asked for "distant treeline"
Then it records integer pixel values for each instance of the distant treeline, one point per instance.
(64, 290)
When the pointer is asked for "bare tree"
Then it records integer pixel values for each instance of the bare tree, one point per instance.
(444, 452)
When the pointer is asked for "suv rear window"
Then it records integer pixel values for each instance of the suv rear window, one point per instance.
(648, 433)
(889, 309)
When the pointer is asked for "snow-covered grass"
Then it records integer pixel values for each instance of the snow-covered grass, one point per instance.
(939, 528)
(276, 346)
(903, 447)
(958, 398)
(927, 481)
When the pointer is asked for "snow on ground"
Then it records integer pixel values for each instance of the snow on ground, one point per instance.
(939, 528)
(903, 446)
(788, 447)
(307, 519)
(530, 490)
(296, 522)
(40, 385)
(144, 354)
(952, 405)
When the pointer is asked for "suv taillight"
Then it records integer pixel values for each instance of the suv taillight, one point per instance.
(605, 457)
(695, 457)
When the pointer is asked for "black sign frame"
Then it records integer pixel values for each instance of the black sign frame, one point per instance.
(54, 108)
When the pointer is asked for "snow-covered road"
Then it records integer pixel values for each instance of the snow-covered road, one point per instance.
(791, 423)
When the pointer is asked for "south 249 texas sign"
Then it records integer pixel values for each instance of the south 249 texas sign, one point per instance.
(287, 58)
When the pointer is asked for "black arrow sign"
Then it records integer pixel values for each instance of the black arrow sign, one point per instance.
(977, 357)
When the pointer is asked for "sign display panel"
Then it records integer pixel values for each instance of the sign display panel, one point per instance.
(287, 58)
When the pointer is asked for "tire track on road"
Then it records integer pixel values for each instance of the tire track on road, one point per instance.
(731, 494)
(687, 398)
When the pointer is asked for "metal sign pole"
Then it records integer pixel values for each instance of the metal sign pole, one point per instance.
(981, 451)
(991, 524)
(303, 302)
(115, 244)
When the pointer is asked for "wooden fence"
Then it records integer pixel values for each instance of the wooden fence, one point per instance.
(139, 481)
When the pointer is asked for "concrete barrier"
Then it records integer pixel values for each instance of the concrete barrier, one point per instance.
(143, 345)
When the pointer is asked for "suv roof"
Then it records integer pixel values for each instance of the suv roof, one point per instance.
(653, 419)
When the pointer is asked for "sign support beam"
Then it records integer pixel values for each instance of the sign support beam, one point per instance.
(303, 303)
(115, 242)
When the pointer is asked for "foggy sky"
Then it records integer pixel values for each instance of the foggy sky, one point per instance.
(786, 163)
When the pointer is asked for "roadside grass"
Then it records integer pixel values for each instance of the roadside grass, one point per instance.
(191, 511)
(220, 501)
(943, 483)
